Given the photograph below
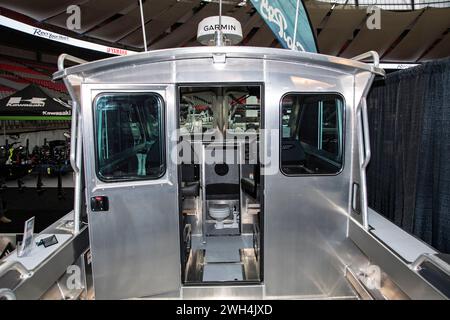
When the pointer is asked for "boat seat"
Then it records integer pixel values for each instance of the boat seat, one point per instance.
(191, 189)
(190, 177)
(292, 152)
(222, 191)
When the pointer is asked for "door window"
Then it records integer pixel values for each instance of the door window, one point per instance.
(129, 136)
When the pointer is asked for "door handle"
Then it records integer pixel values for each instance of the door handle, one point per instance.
(99, 203)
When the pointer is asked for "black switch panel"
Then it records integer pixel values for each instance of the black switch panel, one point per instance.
(99, 203)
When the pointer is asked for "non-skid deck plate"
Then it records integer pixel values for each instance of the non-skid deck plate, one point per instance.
(212, 231)
(223, 249)
(222, 272)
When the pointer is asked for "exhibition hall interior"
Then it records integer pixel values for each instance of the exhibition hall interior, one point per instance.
(225, 149)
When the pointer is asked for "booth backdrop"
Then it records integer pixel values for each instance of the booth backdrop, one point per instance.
(409, 173)
(32, 103)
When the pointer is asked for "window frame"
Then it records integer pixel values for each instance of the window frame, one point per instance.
(342, 149)
(163, 140)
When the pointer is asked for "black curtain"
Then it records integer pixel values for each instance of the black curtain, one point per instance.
(408, 178)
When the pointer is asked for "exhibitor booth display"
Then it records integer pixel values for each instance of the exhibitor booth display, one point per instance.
(32, 103)
(30, 149)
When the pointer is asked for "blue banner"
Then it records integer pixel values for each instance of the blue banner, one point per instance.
(280, 16)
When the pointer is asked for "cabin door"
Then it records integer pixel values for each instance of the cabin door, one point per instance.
(131, 190)
(306, 193)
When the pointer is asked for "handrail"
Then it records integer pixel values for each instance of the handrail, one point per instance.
(15, 265)
(75, 161)
(73, 137)
(368, 54)
(365, 118)
(8, 294)
(364, 154)
(75, 140)
(63, 57)
(432, 258)
(78, 191)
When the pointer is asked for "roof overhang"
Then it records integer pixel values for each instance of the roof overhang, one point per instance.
(342, 65)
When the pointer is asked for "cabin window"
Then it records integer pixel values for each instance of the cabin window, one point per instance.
(231, 109)
(312, 139)
(129, 136)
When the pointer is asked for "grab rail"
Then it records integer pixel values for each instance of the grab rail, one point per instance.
(63, 57)
(75, 141)
(73, 137)
(78, 163)
(15, 265)
(364, 154)
(368, 54)
(365, 118)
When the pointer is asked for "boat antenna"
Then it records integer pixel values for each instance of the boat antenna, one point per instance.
(143, 25)
(218, 36)
(294, 41)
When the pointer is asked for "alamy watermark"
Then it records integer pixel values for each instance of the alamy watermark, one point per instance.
(74, 281)
(373, 21)
(73, 22)
(215, 147)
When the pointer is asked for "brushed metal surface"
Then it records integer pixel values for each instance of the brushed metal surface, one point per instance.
(306, 218)
(135, 245)
(223, 292)
(409, 281)
(301, 241)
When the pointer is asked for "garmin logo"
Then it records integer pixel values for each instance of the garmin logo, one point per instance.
(215, 27)
(19, 102)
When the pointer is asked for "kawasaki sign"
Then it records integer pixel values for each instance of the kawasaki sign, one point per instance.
(289, 21)
(19, 102)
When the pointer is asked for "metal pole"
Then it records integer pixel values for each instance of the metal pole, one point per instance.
(218, 37)
(220, 15)
(294, 41)
(143, 25)
(78, 186)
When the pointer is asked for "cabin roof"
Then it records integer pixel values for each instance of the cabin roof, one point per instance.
(339, 64)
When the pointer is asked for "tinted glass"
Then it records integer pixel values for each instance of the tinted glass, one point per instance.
(311, 134)
(130, 139)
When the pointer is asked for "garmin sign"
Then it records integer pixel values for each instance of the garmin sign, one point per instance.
(281, 16)
(230, 27)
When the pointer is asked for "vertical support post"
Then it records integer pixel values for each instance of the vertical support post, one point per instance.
(143, 25)
(203, 186)
(218, 37)
(78, 172)
(220, 15)
(364, 155)
(294, 41)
